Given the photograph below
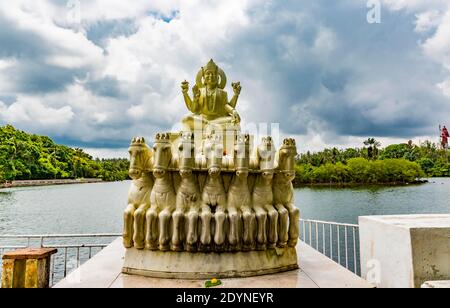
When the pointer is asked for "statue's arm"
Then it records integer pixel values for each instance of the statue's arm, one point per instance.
(231, 110)
(188, 101)
(228, 106)
(234, 101)
(192, 105)
(196, 101)
(237, 91)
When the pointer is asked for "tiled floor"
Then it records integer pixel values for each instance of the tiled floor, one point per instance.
(316, 271)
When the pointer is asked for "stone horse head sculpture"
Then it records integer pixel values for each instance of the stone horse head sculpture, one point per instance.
(266, 214)
(214, 198)
(214, 153)
(188, 197)
(163, 155)
(140, 171)
(239, 197)
(284, 193)
(162, 197)
(140, 158)
(286, 158)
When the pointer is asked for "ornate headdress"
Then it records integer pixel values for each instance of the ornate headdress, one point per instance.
(211, 66)
(222, 82)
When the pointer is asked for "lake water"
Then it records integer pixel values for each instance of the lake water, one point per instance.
(98, 208)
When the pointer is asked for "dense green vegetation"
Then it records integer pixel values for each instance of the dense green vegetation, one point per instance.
(31, 157)
(397, 163)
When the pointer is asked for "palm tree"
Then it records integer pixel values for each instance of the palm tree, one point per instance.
(372, 150)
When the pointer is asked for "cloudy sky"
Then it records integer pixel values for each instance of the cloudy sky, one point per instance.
(95, 73)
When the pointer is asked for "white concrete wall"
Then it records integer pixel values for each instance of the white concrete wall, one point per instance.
(405, 251)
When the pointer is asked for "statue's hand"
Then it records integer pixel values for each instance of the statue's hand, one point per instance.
(196, 91)
(236, 117)
(185, 87)
(236, 88)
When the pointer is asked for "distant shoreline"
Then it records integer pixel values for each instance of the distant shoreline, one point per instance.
(349, 185)
(35, 183)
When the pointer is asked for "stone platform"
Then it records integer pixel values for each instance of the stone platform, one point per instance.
(206, 265)
(316, 271)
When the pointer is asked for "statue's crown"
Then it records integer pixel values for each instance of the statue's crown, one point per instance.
(289, 146)
(138, 141)
(290, 142)
(162, 137)
(211, 66)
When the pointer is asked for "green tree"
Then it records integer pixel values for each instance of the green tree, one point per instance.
(372, 150)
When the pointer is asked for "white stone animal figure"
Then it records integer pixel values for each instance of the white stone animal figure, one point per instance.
(262, 198)
(188, 199)
(239, 199)
(163, 197)
(284, 194)
(139, 194)
(214, 198)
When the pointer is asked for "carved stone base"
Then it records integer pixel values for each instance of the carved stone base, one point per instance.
(185, 265)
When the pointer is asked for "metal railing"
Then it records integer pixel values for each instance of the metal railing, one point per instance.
(337, 241)
(73, 249)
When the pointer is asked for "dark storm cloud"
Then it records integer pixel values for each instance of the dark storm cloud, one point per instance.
(33, 77)
(364, 57)
(17, 43)
(107, 87)
(33, 73)
(100, 31)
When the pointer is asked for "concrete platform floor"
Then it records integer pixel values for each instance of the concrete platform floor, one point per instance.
(316, 271)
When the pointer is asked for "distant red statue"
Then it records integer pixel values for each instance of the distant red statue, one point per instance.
(444, 137)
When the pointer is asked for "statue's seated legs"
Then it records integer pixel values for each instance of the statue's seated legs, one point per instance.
(194, 122)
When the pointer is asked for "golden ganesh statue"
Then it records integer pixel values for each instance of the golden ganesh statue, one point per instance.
(202, 208)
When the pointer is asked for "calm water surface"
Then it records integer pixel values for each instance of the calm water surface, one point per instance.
(97, 208)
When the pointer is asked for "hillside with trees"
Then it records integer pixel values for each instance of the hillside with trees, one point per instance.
(31, 157)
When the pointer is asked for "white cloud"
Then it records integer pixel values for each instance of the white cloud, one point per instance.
(325, 41)
(68, 48)
(445, 87)
(107, 153)
(437, 47)
(93, 11)
(415, 5)
(32, 112)
(430, 15)
(427, 21)
(291, 56)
